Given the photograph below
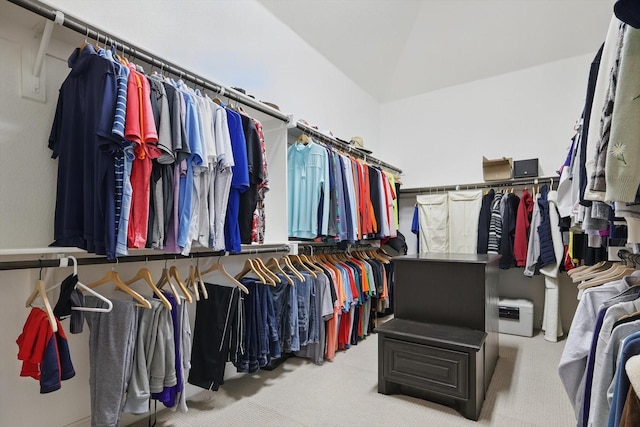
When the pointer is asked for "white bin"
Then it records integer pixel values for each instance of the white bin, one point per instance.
(515, 317)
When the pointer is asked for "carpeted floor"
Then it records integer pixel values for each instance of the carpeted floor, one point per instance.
(525, 391)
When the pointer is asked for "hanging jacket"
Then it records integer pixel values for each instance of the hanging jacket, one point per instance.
(547, 254)
(523, 220)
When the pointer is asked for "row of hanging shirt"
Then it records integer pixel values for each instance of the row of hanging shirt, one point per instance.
(602, 350)
(467, 221)
(155, 163)
(307, 306)
(601, 170)
(333, 195)
(144, 349)
(139, 349)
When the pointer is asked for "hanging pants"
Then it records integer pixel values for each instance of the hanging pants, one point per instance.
(434, 222)
(112, 341)
(464, 213)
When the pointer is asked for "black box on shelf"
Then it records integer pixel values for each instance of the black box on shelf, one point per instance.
(525, 168)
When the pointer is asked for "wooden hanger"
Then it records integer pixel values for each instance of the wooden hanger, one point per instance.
(311, 264)
(216, 266)
(266, 272)
(600, 271)
(602, 265)
(42, 292)
(113, 277)
(250, 267)
(269, 276)
(378, 255)
(273, 265)
(64, 262)
(175, 273)
(166, 280)
(289, 266)
(192, 282)
(298, 262)
(579, 269)
(619, 272)
(303, 139)
(200, 280)
(145, 274)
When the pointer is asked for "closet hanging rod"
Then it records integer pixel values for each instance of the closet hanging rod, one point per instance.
(153, 60)
(44, 263)
(306, 129)
(542, 180)
(324, 246)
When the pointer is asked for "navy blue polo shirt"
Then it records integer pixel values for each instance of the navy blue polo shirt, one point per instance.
(82, 141)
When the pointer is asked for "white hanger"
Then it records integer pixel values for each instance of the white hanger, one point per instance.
(64, 262)
(84, 287)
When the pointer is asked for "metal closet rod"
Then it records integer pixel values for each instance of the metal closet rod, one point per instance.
(45, 263)
(345, 147)
(551, 180)
(322, 247)
(153, 60)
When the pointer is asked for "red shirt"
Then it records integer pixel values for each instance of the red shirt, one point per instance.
(140, 128)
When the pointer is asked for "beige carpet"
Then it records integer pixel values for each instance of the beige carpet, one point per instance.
(525, 391)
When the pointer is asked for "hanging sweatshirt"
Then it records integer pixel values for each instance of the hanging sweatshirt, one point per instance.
(44, 354)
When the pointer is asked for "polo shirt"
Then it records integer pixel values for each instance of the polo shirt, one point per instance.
(308, 179)
(140, 128)
(85, 212)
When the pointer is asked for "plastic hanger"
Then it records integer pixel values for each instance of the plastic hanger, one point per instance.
(84, 287)
(113, 277)
(145, 274)
(216, 266)
(64, 262)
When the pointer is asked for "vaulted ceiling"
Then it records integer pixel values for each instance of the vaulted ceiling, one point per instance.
(399, 48)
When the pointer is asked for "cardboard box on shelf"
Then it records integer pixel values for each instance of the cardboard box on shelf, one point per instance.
(496, 169)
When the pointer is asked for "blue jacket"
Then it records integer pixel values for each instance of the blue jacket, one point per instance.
(547, 254)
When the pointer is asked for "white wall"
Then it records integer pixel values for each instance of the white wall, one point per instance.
(240, 43)
(525, 114)
(237, 43)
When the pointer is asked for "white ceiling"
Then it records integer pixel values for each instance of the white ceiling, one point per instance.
(394, 49)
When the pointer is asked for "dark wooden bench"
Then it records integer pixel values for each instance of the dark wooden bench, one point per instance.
(440, 363)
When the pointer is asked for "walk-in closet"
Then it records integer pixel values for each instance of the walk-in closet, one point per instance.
(319, 213)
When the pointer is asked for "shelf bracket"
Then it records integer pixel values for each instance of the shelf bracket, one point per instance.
(33, 85)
